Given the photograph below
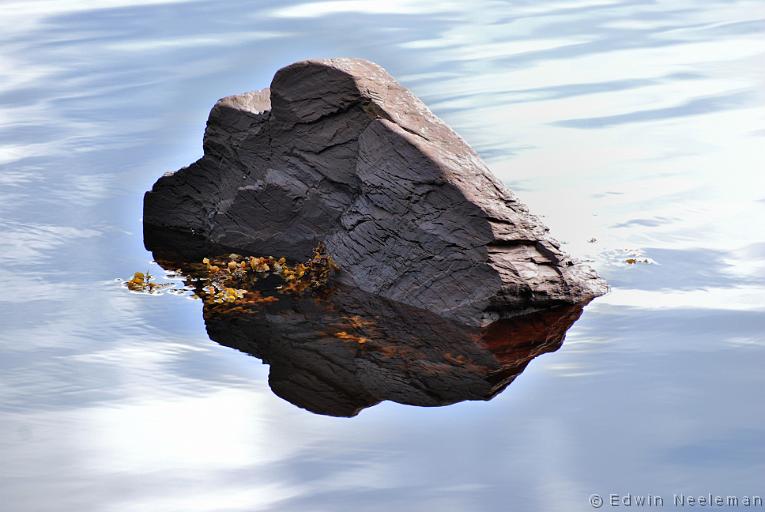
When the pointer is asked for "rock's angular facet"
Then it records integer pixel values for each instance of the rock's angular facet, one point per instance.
(337, 151)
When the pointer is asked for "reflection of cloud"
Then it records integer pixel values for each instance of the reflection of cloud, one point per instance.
(12, 80)
(13, 152)
(490, 50)
(318, 9)
(132, 354)
(650, 223)
(737, 298)
(695, 107)
(491, 98)
(25, 244)
(327, 8)
(31, 287)
(694, 269)
(22, 15)
(197, 445)
(737, 447)
(10, 178)
(230, 39)
(85, 189)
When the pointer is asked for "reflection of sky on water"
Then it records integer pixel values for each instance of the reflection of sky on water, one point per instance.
(639, 124)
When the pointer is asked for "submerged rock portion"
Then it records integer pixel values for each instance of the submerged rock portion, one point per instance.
(336, 151)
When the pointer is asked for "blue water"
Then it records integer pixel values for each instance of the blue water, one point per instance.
(638, 124)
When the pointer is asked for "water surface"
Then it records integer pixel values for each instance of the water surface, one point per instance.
(639, 125)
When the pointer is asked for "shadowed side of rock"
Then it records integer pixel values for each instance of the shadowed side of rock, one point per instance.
(337, 151)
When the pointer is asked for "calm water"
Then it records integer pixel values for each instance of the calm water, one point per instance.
(638, 124)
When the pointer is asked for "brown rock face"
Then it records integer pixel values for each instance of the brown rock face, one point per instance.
(337, 151)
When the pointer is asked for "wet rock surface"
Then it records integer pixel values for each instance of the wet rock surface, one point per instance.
(336, 151)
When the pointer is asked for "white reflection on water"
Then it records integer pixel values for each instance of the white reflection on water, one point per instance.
(742, 298)
(637, 124)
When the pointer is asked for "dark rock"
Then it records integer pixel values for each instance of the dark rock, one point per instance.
(337, 151)
(352, 350)
(336, 349)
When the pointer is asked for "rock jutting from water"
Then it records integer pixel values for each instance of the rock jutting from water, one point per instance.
(336, 151)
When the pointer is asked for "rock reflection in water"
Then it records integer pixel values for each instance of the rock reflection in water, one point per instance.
(339, 350)
(351, 350)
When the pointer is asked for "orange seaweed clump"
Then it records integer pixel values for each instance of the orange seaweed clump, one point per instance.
(239, 279)
(143, 283)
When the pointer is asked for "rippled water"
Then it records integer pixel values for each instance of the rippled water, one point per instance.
(638, 124)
